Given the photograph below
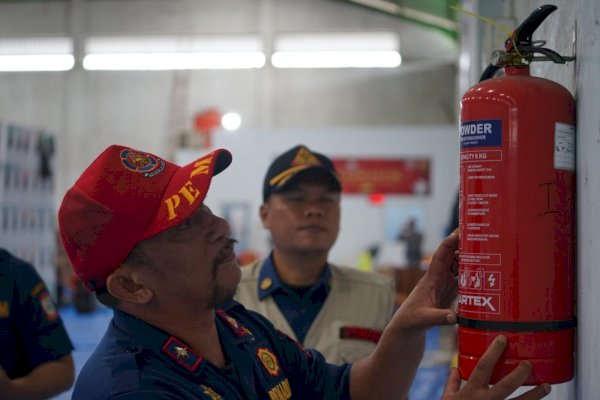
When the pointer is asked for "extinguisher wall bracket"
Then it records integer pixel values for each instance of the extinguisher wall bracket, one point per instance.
(520, 48)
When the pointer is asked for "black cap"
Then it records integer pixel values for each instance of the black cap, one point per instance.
(290, 164)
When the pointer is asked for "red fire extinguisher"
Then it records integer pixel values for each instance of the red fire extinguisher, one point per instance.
(517, 210)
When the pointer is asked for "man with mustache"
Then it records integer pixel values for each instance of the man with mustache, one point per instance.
(339, 311)
(140, 236)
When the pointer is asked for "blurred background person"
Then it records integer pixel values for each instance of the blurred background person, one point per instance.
(35, 350)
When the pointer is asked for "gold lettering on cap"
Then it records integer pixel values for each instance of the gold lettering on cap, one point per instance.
(189, 192)
(201, 166)
(172, 203)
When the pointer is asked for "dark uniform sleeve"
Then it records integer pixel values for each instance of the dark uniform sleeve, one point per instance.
(42, 332)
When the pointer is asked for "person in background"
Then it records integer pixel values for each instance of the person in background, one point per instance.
(138, 233)
(413, 239)
(339, 311)
(35, 350)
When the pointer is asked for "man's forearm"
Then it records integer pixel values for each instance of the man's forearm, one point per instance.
(46, 380)
(388, 372)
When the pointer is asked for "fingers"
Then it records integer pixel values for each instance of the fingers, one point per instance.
(536, 393)
(445, 254)
(453, 382)
(433, 317)
(483, 370)
(512, 381)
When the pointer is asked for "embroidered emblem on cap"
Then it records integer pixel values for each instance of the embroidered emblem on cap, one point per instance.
(235, 326)
(180, 352)
(268, 360)
(302, 160)
(211, 393)
(305, 157)
(137, 161)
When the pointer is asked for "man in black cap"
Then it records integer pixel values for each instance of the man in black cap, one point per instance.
(338, 311)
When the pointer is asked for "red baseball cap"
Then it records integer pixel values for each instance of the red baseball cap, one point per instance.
(124, 197)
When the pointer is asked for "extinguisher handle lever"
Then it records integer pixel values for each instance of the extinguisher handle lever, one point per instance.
(522, 36)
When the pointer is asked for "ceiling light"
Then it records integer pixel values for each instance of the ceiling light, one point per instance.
(36, 54)
(337, 50)
(173, 52)
(231, 121)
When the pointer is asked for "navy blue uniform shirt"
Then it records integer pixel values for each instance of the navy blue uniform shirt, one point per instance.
(31, 331)
(135, 360)
(299, 305)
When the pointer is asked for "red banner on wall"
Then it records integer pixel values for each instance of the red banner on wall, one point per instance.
(396, 176)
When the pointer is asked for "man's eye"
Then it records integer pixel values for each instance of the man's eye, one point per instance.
(184, 224)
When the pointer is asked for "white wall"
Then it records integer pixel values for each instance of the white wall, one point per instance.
(362, 224)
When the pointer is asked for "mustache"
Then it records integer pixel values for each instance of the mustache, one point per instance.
(228, 246)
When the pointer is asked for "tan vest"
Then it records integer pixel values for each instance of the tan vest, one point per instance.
(356, 299)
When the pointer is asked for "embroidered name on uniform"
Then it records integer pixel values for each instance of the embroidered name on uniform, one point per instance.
(281, 391)
(268, 360)
(355, 332)
(211, 393)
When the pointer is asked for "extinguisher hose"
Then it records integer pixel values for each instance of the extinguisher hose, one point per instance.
(489, 72)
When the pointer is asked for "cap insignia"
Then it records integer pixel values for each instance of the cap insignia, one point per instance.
(305, 157)
(137, 161)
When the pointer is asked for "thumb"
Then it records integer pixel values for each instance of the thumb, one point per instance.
(431, 317)
(453, 383)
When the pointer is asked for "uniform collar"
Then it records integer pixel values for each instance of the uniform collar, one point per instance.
(144, 335)
(269, 281)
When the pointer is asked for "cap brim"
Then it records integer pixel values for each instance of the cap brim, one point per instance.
(187, 190)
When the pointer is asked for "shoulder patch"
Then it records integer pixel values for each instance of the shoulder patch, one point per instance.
(48, 307)
(182, 354)
(235, 326)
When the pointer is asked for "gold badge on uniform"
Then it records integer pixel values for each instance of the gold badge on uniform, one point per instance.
(211, 393)
(266, 283)
(268, 360)
(4, 309)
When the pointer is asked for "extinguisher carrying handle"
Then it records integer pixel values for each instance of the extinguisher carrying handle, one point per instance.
(522, 36)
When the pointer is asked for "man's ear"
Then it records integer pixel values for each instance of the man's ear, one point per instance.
(263, 212)
(123, 284)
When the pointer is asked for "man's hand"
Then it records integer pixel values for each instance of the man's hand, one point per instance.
(429, 302)
(477, 387)
(5, 385)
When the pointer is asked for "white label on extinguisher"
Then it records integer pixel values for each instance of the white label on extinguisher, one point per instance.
(564, 146)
